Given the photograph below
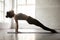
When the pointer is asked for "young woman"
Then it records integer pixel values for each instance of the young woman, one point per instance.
(29, 19)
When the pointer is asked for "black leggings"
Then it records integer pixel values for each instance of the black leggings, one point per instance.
(31, 20)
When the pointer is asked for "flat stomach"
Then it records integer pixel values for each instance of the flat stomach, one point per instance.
(23, 18)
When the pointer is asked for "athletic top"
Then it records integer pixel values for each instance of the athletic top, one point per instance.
(21, 16)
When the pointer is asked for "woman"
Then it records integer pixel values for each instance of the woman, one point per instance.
(29, 19)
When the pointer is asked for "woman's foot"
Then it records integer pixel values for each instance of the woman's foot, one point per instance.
(53, 31)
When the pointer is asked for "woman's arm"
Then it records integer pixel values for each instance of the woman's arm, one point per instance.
(16, 30)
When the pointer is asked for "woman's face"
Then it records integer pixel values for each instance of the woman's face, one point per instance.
(10, 14)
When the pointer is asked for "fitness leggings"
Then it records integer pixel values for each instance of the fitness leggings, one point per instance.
(31, 20)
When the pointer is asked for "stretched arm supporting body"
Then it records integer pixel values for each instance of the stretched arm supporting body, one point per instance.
(16, 30)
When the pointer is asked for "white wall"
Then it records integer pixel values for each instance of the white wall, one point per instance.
(7, 22)
(4, 25)
(48, 13)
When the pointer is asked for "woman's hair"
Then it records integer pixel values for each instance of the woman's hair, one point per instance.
(10, 14)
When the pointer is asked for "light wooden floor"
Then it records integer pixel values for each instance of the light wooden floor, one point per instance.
(28, 34)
